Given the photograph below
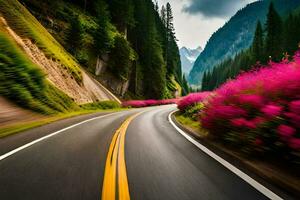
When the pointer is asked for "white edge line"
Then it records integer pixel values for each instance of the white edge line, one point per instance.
(268, 193)
(2, 157)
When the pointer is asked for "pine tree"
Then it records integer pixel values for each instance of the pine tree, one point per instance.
(274, 34)
(258, 43)
(122, 14)
(75, 34)
(185, 86)
(103, 38)
(163, 15)
(291, 34)
(204, 82)
(169, 22)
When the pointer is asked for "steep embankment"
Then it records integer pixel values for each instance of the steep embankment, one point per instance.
(236, 35)
(60, 68)
(36, 74)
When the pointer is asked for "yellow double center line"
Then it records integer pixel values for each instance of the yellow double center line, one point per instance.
(115, 162)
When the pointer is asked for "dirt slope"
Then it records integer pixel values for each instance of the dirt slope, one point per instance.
(89, 91)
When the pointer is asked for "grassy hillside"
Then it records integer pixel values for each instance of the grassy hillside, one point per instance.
(33, 65)
(27, 26)
(24, 83)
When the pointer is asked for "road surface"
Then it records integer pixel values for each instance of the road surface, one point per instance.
(135, 154)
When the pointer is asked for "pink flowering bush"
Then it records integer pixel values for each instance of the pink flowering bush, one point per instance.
(146, 103)
(259, 110)
(191, 100)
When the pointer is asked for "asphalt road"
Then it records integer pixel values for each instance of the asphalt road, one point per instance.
(134, 154)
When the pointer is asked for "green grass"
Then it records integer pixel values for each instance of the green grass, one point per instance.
(191, 124)
(20, 19)
(19, 127)
(101, 105)
(24, 83)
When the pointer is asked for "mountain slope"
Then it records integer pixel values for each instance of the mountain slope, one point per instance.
(123, 43)
(188, 57)
(36, 72)
(235, 35)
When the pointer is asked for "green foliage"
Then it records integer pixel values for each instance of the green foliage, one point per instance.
(146, 54)
(258, 43)
(121, 57)
(103, 105)
(20, 19)
(274, 34)
(236, 35)
(24, 83)
(122, 13)
(276, 42)
(185, 86)
(103, 35)
(75, 34)
(193, 111)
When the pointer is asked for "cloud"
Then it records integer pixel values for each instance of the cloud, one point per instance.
(214, 8)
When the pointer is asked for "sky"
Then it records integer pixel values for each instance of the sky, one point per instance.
(196, 20)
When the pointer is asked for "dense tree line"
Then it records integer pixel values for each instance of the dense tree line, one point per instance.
(278, 39)
(137, 37)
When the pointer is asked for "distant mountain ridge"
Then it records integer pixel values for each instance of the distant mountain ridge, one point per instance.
(235, 35)
(188, 57)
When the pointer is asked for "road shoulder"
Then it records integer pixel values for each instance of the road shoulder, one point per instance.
(280, 182)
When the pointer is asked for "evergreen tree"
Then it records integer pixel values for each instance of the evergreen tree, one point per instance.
(258, 43)
(163, 15)
(169, 22)
(75, 34)
(291, 34)
(204, 81)
(122, 14)
(121, 57)
(274, 34)
(185, 86)
(103, 38)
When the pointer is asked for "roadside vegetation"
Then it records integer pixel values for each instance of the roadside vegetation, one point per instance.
(27, 26)
(258, 112)
(146, 103)
(24, 83)
(277, 39)
(104, 106)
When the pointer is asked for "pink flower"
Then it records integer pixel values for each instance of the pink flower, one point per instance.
(295, 106)
(258, 142)
(239, 122)
(294, 119)
(286, 131)
(258, 120)
(251, 99)
(272, 110)
(192, 99)
(294, 143)
(242, 122)
(250, 124)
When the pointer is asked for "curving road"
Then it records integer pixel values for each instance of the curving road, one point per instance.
(135, 154)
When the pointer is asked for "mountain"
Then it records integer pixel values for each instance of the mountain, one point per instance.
(54, 54)
(127, 45)
(236, 35)
(188, 58)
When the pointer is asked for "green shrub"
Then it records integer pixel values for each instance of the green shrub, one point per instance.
(103, 105)
(193, 111)
(121, 57)
(24, 83)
